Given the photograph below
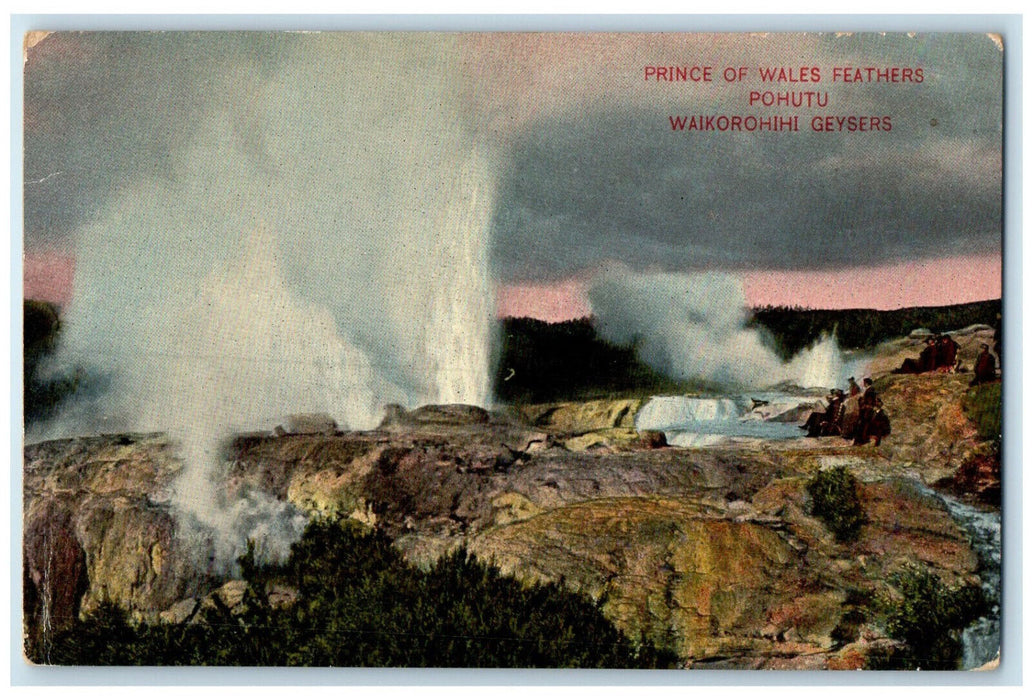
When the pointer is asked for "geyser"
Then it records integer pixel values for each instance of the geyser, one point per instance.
(693, 327)
(316, 244)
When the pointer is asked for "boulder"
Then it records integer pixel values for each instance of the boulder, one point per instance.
(54, 570)
(311, 424)
(179, 613)
(280, 596)
(652, 439)
(668, 569)
(434, 415)
(578, 418)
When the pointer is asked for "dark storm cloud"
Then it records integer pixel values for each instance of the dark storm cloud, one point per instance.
(103, 108)
(603, 180)
(618, 184)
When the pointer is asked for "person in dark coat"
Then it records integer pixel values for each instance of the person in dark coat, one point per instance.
(813, 423)
(853, 389)
(827, 422)
(834, 414)
(946, 353)
(986, 366)
(925, 362)
(929, 358)
(869, 397)
(868, 402)
(879, 426)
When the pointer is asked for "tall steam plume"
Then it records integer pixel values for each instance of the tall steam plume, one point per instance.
(693, 326)
(318, 245)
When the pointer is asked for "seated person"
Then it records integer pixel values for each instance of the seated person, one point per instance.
(986, 366)
(873, 426)
(926, 361)
(946, 353)
(823, 423)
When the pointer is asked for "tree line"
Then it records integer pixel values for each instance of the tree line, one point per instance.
(540, 361)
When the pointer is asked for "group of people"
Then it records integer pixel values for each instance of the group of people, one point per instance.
(940, 354)
(858, 415)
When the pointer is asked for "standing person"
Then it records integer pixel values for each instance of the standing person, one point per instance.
(867, 403)
(997, 342)
(869, 397)
(853, 387)
(986, 366)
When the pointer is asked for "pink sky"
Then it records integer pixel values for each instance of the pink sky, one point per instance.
(940, 282)
(47, 276)
(954, 280)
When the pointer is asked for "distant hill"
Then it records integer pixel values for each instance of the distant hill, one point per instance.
(793, 329)
(541, 361)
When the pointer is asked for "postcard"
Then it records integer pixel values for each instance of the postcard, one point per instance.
(508, 350)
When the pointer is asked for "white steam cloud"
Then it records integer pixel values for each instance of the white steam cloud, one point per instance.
(318, 246)
(693, 326)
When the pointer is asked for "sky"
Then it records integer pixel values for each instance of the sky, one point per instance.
(588, 172)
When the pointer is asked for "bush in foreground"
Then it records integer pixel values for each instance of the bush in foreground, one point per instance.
(360, 604)
(834, 497)
(928, 618)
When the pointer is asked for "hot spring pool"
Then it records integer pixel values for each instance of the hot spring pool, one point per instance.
(698, 421)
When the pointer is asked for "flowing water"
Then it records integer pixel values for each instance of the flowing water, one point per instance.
(981, 641)
(695, 421)
(692, 421)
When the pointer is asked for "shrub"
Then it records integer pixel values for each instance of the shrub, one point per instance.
(928, 619)
(834, 497)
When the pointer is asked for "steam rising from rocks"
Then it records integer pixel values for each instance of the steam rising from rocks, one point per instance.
(317, 246)
(693, 326)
